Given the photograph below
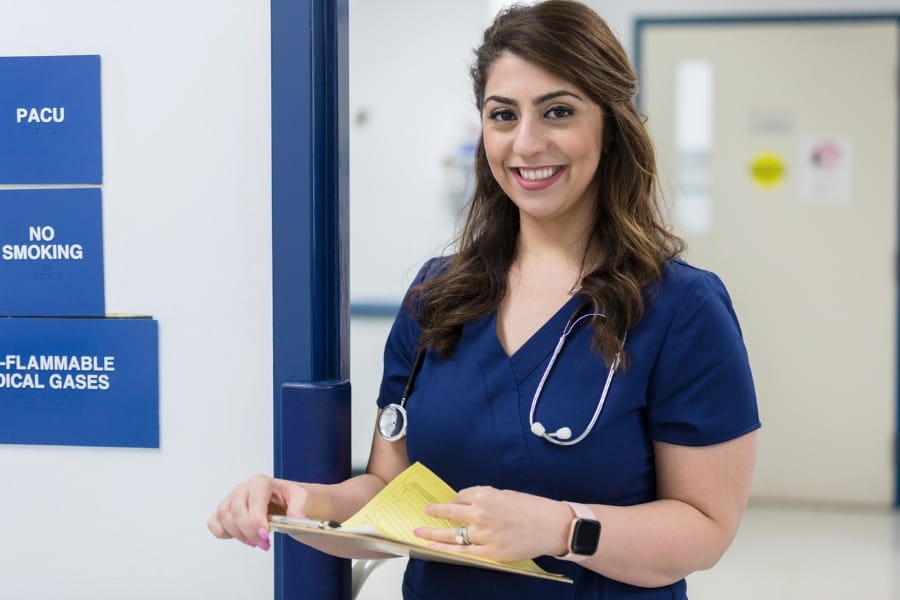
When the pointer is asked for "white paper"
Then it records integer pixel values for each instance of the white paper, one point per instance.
(826, 170)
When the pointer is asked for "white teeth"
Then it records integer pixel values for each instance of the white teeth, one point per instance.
(538, 174)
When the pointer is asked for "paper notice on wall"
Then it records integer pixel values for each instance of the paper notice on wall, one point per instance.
(826, 170)
(694, 111)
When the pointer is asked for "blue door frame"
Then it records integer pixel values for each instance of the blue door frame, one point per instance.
(309, 270)
(643, 22)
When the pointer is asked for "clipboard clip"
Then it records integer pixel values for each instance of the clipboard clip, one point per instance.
(309, 523)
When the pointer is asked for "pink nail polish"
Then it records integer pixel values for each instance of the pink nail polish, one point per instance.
(416, 532)
(263, 534)
(264, 546)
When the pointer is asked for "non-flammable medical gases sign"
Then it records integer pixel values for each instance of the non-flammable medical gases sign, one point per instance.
(79, 382)
(51, 253)
(50, 120)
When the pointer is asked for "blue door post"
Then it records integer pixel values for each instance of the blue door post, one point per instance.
(309, 271)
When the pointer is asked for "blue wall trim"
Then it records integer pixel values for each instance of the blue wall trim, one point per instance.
(640, 25)
(374, 310)
(309, 212)
(309, 189)
(322, 456)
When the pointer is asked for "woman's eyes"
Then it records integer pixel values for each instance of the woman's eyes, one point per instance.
(559, 112)
(505, 115)
(502, 115)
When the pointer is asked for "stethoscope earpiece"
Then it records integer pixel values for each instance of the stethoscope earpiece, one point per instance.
(563, 433)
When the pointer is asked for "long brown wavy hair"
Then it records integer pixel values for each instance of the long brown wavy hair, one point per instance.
(629, 235)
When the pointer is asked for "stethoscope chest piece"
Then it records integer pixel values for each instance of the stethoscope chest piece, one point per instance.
(392, 422)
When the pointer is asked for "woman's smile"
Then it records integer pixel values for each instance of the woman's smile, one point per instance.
(535, 179)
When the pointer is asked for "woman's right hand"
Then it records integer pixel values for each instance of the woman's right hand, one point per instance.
(243, 514)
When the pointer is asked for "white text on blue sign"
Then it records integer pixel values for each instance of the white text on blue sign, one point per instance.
(43, 251)
(48, 114)
(56, 372)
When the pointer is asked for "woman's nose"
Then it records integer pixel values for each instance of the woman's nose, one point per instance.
(530, 139)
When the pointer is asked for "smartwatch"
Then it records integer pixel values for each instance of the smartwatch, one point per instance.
(584, 535)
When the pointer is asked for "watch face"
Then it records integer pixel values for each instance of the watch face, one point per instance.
(585, 536)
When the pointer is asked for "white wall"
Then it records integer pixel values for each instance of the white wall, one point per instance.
(410, 107)
(186, 197)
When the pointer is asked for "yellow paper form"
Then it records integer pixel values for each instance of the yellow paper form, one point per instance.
(400, 507)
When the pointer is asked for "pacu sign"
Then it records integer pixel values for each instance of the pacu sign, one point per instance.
(50, 120)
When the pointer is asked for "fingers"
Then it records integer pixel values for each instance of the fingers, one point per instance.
(473, 549)
(455, 512)
(485, 512)
(243, 514)
(259, 494)
(468, 506)
(216, 528)
(447, 536)
(467, 510)
(220, 522)
(448, 540)
(295, 500)
(473, 495)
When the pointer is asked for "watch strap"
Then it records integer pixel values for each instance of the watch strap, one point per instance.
(581, 512)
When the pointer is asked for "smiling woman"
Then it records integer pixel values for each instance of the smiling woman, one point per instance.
(564, 274)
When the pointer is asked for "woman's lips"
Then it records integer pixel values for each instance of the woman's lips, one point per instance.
(535, 179)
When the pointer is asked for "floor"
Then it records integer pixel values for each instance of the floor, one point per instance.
(780, 553)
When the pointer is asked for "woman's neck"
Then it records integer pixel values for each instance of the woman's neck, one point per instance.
(546, 272)
(553, 253)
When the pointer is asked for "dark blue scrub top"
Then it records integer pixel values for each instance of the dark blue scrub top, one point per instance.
(688, 382)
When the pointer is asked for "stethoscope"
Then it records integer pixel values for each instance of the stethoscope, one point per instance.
(392, 420)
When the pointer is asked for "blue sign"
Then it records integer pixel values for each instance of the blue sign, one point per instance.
(50, 120)
(51, 253)
(79, 382)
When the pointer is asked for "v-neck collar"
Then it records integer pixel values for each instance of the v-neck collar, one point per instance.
(536, 348)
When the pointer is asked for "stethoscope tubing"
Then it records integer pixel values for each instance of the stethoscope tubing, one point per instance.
(573, 321)
(398, 410)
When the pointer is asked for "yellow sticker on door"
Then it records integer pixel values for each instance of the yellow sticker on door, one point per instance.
(767, 169)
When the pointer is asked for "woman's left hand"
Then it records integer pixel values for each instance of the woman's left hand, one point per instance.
(502, 525)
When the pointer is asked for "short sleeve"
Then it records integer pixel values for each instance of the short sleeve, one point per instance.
(701, 389)
(400, 348)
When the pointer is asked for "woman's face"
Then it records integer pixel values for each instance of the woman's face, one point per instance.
(543, 139)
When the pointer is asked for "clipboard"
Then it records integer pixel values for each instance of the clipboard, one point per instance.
(331, 538)
(384, 526)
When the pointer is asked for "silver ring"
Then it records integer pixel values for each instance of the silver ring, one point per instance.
(462, 536)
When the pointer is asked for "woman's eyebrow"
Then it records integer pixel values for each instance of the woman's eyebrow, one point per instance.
(536, 101)
(556, 94)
